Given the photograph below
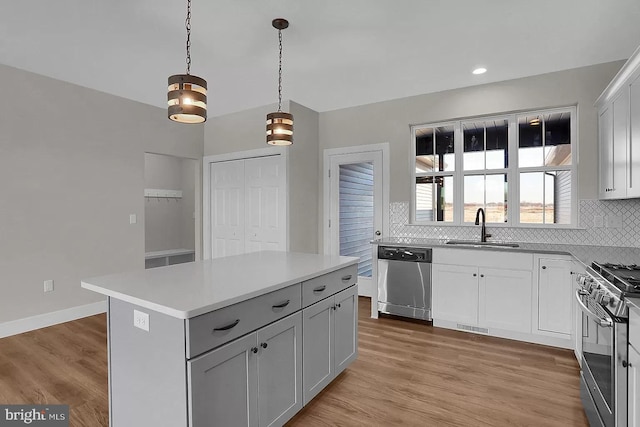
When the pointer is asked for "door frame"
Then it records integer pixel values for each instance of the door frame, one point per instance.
(326, 202)
(206, 188)
(197, 209)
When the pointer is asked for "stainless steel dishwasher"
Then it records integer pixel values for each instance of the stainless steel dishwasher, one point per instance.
(404, 281)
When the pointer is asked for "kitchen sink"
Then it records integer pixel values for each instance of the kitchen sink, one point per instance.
(477, 244)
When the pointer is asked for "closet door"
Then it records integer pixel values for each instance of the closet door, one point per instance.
(227, 208)
(265, 203)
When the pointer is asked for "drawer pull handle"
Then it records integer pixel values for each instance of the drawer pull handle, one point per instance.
(227, 327)
(282, 304)
(320, 288)
(263, 345)
(254, 350)
(544, 267)
(345, 278)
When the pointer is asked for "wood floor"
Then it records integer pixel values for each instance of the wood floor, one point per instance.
(407, 374)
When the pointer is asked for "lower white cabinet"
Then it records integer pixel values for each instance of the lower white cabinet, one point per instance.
(253, 381)
(482, 297)
(505, 299)
(330, 341)
(555, 296)
(633, 367)
(455, 293)
(633, 399)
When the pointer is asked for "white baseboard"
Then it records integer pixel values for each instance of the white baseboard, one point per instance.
(19, 326)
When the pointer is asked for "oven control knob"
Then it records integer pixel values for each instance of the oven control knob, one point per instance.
(605, 300)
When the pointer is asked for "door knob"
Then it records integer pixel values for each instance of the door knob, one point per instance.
(378, 232)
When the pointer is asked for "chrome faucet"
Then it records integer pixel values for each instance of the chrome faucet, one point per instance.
(483, 230)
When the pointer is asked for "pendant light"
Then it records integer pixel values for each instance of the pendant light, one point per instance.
(187, 94)
(280, 124)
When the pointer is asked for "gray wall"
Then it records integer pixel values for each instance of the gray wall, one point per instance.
(245, 130)
(389, 121)
(169, 223)
(71, 172)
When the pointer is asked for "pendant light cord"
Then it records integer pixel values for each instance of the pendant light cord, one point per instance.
(280, 72)
(187, 25)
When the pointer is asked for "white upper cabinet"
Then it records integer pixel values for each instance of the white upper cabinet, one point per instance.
(619, 127)
(633, 187)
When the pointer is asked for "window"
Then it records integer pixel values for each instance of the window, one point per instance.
(466, 165)
(485, 161)
(544, 159)
(435, 165)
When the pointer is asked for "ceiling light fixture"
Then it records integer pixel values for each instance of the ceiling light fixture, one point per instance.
(534, 122)
(187, 94)
(479, 70)
(280, 124)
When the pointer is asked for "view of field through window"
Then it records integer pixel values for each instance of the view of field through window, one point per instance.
(542, 171)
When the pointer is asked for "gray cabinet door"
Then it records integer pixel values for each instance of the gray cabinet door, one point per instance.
(280, 371)
(345, 328)
(317, 348)
(223, 386)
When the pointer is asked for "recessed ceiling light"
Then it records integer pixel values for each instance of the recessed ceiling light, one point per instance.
(480, 70)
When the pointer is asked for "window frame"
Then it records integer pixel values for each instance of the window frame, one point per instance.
(414, 174)
(512, 172)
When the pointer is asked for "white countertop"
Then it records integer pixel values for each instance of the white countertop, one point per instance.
(583, 253)
(190, 289)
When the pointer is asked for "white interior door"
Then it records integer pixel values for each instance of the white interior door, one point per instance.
(227, 208)
(356, 210)
(265, 184)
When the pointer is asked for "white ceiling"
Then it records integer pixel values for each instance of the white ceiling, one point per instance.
(337, 53)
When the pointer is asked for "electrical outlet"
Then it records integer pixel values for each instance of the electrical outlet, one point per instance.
(613, 221)
(133, 219)
(48, 285)
(141, 320)
(598, 221)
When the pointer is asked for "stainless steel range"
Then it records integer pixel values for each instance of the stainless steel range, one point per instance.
(603, 383)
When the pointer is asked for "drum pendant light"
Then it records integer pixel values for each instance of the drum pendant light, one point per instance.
(187, 94)
(280, 124)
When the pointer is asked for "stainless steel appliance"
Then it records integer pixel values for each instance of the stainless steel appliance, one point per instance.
(404, 281)
(603, 382)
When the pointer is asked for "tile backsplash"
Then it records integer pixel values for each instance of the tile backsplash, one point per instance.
(596, 226)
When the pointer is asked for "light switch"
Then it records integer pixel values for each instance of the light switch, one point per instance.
(133, 219)
(48, 285)
(141, 320)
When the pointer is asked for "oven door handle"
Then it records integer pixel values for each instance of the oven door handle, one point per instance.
(607, 323)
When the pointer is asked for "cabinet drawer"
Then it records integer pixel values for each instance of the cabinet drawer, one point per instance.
(328, 284)
(220, 326)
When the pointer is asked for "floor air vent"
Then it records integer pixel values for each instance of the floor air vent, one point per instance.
(473, 328)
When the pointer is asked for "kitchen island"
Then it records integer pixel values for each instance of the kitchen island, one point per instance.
(245, 340)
